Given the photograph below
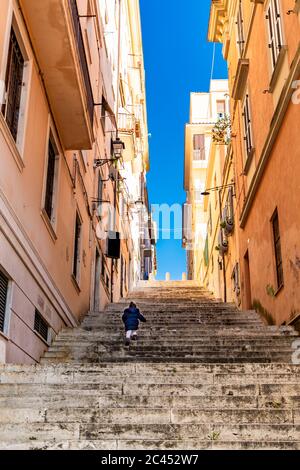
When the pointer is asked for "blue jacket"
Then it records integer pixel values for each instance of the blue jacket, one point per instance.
(131, 318)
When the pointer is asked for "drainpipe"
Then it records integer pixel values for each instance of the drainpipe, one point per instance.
(223, 255)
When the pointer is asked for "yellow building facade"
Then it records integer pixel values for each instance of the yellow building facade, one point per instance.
(204, 168)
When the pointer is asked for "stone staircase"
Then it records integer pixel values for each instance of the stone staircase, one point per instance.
(201, 376)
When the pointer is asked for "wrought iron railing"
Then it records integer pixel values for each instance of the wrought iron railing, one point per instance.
(199, 155)
(82, 57)
(126, 122)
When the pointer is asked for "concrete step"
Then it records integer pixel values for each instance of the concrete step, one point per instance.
(275, 395)
(216, 402)
(193, 333)
(147, 415)
(191, 444)
(187, 359)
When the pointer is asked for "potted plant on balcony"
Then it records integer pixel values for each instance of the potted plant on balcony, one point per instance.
(221, 132)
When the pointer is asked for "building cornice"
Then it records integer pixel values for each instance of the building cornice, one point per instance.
(217, 20)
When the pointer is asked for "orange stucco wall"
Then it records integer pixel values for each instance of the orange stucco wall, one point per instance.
(279, 186)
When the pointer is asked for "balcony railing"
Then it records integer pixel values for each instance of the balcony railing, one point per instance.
(82, 57)
(126, 123)
(199, 155)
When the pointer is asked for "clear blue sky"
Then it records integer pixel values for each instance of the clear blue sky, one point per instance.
(178, 61)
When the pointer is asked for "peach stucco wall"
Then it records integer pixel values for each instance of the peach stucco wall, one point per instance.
(37, 261)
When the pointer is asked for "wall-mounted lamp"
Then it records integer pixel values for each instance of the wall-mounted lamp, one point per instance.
(217, 188)
(118, 147)
(102, 161)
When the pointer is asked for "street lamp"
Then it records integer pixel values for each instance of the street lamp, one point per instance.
(217, 188)
(118, 147)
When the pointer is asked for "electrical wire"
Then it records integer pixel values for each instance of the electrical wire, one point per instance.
(213, 62)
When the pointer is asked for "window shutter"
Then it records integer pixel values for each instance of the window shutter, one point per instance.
(240, 29)
(50, 180)
(40, 326)
(3, 299)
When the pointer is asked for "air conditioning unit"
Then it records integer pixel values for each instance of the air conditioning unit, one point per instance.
(113, 245)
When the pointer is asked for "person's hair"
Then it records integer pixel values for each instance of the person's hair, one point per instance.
(132, 305)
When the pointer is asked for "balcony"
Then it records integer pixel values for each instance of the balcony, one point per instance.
(240, 79)
(199, 159)
(55, 31)
(126, 123)
(126, 129)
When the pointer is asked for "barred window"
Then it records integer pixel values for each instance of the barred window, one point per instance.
(247, 126)
(3, 299)
(274, 22)
(240, 29)
(77, 248)
(13, 85)
(51, 179)
(277, 249)
(40, 326)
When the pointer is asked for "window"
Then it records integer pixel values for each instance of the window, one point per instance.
(3, 299)
(236, 279)
(206, 252)
(99, 195)
(107, 281)
(122, 94)
(247, 127)
(229, 207)
(102, 267)
(240, 29)
(275, 30)
(51, 179)
(199, 147)
(221, 108)
(89, 30)
(77, 247)
(277, 249)
(13, 85)
(103, 113)
(209, 225)
(40, 326)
